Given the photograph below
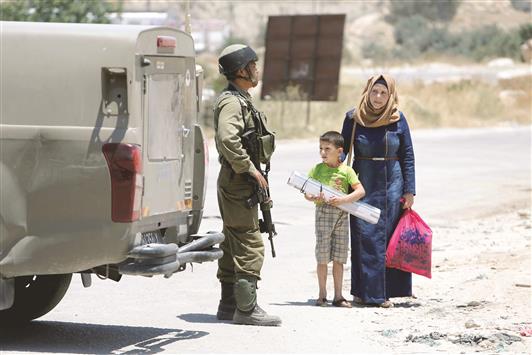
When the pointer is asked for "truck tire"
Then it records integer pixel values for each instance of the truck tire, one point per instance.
(34, 297)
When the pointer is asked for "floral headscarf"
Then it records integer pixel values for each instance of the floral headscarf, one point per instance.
(368, 116)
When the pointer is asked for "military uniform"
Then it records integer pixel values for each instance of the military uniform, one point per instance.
(236, 118)
(243, 246)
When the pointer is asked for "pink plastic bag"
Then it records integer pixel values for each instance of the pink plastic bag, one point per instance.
(410, 248)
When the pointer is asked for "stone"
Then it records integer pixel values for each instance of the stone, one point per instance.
(471, 324)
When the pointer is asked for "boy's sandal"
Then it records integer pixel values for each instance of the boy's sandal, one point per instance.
(342, 302)
(321, 302)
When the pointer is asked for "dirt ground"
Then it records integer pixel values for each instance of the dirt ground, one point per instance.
(479, 295)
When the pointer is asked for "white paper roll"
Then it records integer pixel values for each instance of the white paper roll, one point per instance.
(308, 185)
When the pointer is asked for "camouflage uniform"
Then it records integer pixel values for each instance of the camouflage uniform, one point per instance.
(243, 246)
(234, 116)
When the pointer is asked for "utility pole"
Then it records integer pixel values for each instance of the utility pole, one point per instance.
(188, 28)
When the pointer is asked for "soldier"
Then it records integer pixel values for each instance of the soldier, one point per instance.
(234, 115)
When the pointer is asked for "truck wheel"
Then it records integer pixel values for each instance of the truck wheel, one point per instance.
(34, 297)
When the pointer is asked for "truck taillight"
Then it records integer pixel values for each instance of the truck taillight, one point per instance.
(166, 42)
(125, 167)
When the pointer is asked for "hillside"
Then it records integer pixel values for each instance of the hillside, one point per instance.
(365, 20)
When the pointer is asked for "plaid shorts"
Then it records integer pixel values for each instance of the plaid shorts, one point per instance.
(332, 234)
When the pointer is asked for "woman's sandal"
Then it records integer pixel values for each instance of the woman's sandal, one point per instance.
(358, 300)
(386, 304)
(321, 302)
(342, 302)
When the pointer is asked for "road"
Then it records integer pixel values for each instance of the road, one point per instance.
(462, 174)
(443, 72)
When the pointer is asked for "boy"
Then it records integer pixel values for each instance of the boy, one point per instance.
(332, 227)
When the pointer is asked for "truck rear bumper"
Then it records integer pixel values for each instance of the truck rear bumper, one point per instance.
(166, 259)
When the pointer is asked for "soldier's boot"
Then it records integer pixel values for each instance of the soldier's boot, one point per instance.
(247, 310)
(227, 305)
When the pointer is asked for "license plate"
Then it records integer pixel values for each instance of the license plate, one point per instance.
(151, 237)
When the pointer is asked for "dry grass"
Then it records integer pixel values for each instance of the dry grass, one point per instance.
(460, 104)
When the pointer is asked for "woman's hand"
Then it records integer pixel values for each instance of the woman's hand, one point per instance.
(408, 200)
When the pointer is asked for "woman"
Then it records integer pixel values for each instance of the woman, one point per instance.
(384, 160)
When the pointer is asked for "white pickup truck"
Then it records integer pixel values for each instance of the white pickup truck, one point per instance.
(102, 161)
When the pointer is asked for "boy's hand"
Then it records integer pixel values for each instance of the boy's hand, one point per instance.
(336, 200)
(315, 198)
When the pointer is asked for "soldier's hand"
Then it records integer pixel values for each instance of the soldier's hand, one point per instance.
(260, 179)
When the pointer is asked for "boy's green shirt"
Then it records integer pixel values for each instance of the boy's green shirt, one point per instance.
(339, 178)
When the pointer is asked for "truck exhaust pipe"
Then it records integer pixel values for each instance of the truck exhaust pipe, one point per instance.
(166, 259)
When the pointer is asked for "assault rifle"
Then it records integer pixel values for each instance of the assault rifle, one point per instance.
(261, 196)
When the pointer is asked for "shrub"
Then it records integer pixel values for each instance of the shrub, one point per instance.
(525, 32)
(522, 5)
(487, 42)
(79, 11)
(432, 10)
(416, 37)
(375, 51)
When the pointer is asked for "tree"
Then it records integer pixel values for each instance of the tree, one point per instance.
(522, 5)
(432, 10)
(79, 11)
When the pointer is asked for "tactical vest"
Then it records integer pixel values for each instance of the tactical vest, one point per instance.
(265, 138)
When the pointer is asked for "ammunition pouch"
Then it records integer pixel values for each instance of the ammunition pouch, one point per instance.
(266, 147)
(266, 139)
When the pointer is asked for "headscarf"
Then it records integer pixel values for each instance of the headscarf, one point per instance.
(368, 116)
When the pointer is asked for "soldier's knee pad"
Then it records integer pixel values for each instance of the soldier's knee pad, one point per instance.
(245, 293)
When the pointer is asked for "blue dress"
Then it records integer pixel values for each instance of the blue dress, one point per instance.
(385, 182)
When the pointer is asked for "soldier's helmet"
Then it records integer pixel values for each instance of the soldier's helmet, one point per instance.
(234, 57)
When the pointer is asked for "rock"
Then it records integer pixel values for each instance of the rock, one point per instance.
(471, 324)
(510, 97)
(428, 339)
(436, 335)
(474, 304)
(469, 339)
(505, 338)
(526, 51)
(501, 62)
(389, 332)
(524, 214)
(485, 343)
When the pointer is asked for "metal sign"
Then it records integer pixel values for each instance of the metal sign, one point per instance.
(303, 51)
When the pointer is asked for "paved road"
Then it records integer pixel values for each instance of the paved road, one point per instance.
(461, 174)
(442, 72)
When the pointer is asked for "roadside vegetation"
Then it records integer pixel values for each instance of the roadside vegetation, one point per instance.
(418, 39)
(410, 33)
(465, 103)
(76, 11)
(424, 29)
